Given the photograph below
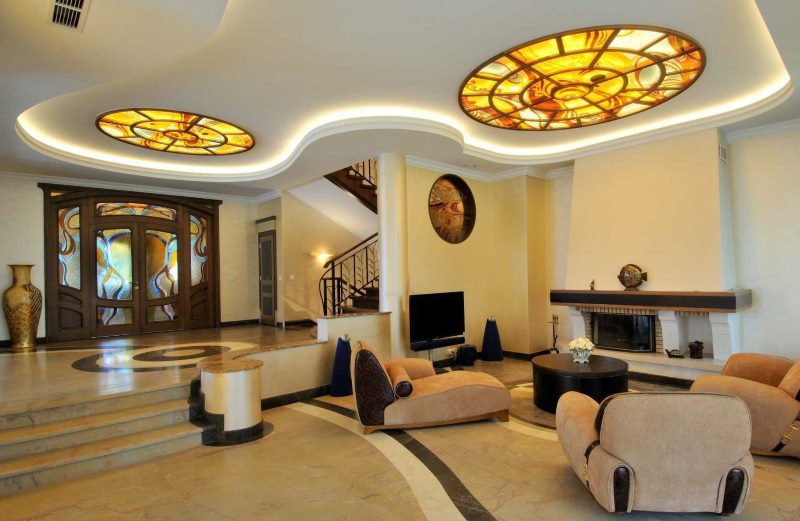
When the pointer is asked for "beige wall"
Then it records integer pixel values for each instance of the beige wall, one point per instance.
(656, 205)
(238, 261)
(435, 266)
(507, 272)
(21, 235)
(303, 231)
(538, 289)
(500, 267)
(558, 203)
(765, 184)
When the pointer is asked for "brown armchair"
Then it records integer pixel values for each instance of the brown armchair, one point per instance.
(770, 385)
(407, 393)
(660, 452)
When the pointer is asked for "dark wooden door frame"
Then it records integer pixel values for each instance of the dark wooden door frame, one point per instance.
(274, 234)
(83, 302)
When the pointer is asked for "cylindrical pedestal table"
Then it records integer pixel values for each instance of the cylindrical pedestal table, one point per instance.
(231, 391)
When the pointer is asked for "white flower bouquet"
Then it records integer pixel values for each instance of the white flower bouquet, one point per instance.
(581, 348)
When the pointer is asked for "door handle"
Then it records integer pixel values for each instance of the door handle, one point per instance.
(136, 286)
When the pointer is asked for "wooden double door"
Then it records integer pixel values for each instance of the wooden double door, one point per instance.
(120, 263)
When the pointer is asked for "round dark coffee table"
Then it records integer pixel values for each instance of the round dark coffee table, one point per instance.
(556, 374)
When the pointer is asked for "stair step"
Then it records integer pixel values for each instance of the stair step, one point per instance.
(372, 292)
(39, 438)
(79, 407)
(59, 465)
(366, 302)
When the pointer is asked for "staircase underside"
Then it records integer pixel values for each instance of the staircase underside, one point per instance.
(364, 191)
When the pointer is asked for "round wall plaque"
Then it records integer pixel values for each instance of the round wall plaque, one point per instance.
(451, 207)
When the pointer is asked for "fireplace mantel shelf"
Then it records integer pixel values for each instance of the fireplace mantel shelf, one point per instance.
(699, 301)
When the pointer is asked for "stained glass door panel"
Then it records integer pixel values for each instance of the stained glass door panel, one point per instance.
(115, 264)
(116, 276)
(161, 276)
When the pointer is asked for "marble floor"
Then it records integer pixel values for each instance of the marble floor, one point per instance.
(83, 370)
(317, 464)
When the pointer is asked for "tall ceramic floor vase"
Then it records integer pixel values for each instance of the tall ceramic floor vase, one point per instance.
(22, 306)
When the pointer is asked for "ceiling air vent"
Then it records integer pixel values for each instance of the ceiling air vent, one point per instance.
(69, 13)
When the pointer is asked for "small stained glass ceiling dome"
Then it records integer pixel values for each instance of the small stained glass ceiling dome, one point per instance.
(581, 78)
(177, 132)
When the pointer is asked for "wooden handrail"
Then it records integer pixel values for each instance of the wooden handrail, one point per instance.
(333, 260)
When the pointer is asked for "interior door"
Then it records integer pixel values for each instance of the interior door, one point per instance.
(116, 288)
(267, 275)
(159, 289)
(120, 263)
(136, 281)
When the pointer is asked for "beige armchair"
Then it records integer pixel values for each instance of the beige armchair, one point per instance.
(407, 393)
(770, 385)
(661, 452)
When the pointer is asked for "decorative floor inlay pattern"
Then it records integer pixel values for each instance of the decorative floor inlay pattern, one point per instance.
(155, 358)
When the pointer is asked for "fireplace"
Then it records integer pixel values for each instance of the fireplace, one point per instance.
(625, 332)
(678, 316)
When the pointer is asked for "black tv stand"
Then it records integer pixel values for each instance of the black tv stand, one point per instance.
(425, 345)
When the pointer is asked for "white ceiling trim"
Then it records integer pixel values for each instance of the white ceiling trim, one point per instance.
(446, 168)
(530, 171)
(663, 129)
(89, 183)
(404, 118)
(763, 130)
(559, 172)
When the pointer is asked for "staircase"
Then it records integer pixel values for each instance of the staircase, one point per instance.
(366, 302)
(51, 445)
(350, 284)
(361, 180)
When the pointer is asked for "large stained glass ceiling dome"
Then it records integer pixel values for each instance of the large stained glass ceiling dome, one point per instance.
(581, 78)
(174, 131)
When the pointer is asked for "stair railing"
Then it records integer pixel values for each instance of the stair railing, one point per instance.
(348, 275)
(367, 169)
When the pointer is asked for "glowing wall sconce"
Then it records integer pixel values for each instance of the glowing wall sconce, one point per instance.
(322, 257)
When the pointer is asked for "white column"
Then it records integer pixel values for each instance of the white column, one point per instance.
(724, 334)
(393, 237)
(670, 331)
(577, 324)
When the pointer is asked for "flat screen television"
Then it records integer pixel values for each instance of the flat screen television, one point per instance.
(436, 315)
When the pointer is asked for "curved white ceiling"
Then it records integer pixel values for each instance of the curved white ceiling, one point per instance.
(296, 72)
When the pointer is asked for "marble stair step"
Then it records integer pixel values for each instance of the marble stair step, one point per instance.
(75, 406)
(59, 465)
(83, 429)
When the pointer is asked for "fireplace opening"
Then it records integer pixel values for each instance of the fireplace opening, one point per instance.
(624, 332)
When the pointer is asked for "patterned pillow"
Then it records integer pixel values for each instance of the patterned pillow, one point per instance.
(372, 387)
